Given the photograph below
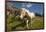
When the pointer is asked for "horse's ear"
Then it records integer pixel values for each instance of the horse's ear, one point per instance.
(26, 13)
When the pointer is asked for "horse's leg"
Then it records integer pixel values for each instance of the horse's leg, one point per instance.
(27, 24)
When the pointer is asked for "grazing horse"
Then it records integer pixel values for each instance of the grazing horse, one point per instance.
(28, 15)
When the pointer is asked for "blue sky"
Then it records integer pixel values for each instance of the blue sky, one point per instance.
(32, 7)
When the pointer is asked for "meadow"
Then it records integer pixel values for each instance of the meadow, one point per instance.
(15, 23)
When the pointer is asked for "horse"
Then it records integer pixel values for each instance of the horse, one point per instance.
(29, 16)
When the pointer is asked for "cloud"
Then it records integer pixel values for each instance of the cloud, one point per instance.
(26, 4)
(29, 5)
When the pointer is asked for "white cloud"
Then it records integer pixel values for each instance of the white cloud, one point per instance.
(29, 5)
(26, 4)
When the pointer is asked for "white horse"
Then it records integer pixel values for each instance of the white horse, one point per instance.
(30, 14)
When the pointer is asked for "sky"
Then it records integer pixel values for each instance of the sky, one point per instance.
(32, 7)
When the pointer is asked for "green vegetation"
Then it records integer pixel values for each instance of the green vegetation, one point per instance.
(15, 23)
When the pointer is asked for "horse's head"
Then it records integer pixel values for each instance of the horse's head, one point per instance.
(23, 13)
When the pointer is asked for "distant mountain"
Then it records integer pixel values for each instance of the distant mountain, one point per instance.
(38, 14)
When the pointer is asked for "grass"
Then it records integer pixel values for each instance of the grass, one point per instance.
(38, 23)
(14, 23)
